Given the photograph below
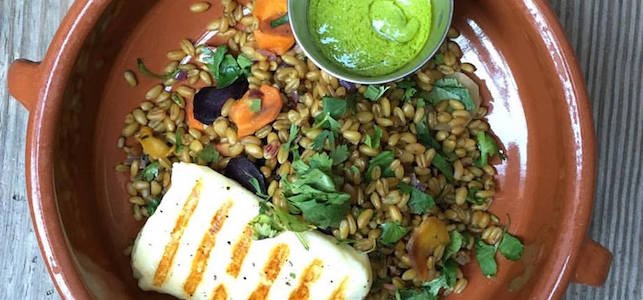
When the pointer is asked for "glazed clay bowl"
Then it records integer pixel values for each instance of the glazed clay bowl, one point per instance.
(78, 99)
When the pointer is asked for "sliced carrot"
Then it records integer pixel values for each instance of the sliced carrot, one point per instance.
(189, 116)
(276, 43)
(279, 39)
(270, 9)
(248, 121)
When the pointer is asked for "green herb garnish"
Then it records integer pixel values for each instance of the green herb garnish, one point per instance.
(383, 160)
(485, 255)
(455, 244)
(208, 154)
(339, 154)
(336, 107)
(314, 194)
(392, 232)
(472, 198)
(375, 92)
(279, 21)
(151, 171)
(488, 148)
(178, 142)
(273, 220)
(152, 205)
(145, 71)
(449, 88)
(254, 105)
(224, 67)
(431, 289)
(510, 246)
(444, 166)
(292, 135)
(244, 63)
(374, 141)
(320, 140)
(419, 202)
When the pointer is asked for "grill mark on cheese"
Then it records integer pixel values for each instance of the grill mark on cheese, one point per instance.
(239, 252)
(271, 270)
(200, 261)
(310, 275)
(172, 246)
(220, 293)
(338, 294)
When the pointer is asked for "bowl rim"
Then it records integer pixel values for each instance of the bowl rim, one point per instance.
(57, 66)
(381, 79)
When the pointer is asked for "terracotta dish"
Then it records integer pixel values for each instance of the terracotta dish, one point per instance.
(77, 99)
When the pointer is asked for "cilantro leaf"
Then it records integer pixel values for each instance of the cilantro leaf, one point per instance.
(375, 92)
(472, 198)
(314, 194)
(209, 154)
(510, 246)
(339, 154)
(292, 135)
(326, 121)
(334, 106)
(420, 202)
(414, 294)
(224, 67)
(320, 140)
(455, 243)
(440, 163)
(152, 205)
(229, 71)
(436, 284)
(272, 220)
(244, 63)
(449, 88)
(409, 93)
(321, 161)
(374, 141)
(485, 255)
(425, 137)
(392, 232)
(151, 171)
(487, 147)
(383, 160)
(449, 270)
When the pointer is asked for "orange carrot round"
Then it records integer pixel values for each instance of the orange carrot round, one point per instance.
(249, 120)
(270, 9)
(189, 116)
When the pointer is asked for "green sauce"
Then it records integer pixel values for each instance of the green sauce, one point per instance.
(370, 37)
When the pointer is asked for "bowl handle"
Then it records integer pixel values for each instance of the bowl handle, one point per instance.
(24, 82)
(593, 264)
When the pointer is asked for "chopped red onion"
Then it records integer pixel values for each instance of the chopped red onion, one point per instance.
(349, 86)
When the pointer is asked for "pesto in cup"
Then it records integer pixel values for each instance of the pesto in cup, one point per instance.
(370, 37)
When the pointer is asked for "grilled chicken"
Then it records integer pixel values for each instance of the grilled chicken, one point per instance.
(198, 245)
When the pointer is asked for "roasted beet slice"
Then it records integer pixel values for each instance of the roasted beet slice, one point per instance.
(243, 171)
(208, 101)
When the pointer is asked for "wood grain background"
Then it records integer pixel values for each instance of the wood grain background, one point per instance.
(607, 36)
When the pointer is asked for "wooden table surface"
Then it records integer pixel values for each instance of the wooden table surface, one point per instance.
(607, 36)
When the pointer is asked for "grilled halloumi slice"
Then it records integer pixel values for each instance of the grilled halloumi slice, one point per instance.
(198, 245)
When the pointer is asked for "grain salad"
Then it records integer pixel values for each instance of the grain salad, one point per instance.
(401, 171)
